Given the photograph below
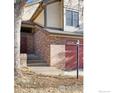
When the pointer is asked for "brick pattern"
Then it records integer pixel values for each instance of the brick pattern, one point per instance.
(43, 41)
(64, 40)
(30, 44)
(41, 44)
(61, 55)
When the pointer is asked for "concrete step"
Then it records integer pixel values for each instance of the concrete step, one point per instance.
(36, 61)
(37, 64)
(33, 57)
(46, 70)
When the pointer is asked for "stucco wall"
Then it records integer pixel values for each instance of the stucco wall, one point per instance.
(57, 55)
(54, 15)
(40, 19)
(29, 11)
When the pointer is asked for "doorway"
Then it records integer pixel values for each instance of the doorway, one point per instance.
(23, 44)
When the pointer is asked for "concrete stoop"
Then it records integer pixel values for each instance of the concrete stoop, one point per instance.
(54, 71)
(39, 66)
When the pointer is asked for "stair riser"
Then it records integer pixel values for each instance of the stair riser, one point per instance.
(35, 60)
(34, 57)
(31, 61)
(37, 65)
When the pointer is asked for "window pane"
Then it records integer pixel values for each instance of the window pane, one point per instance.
(68, 18)
(75, 19)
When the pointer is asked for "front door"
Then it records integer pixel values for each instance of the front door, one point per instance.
(23, 44)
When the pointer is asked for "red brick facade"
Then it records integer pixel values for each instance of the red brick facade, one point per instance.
(60, 42)
(43, 42)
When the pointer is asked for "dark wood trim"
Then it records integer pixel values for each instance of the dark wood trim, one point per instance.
(38, 25)
(45, 16)
(63, 14)
(37, 12)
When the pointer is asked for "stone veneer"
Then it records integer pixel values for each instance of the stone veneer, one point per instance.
(23, 59)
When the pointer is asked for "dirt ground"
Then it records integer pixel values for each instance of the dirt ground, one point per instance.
(37, 83)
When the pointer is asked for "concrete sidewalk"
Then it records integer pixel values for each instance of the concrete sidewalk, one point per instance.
(54, 71)
(73, 72)
(47, 70)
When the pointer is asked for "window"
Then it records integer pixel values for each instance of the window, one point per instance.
(72, 18)
(75, 19)
(68, 18)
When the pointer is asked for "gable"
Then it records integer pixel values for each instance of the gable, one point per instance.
(40, 19)
(29, 11)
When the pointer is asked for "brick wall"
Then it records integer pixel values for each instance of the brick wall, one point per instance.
(58, 51)
(41, 44)
(63, 40)
(52, 47)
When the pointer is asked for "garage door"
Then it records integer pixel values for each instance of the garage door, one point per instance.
(71, 56)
